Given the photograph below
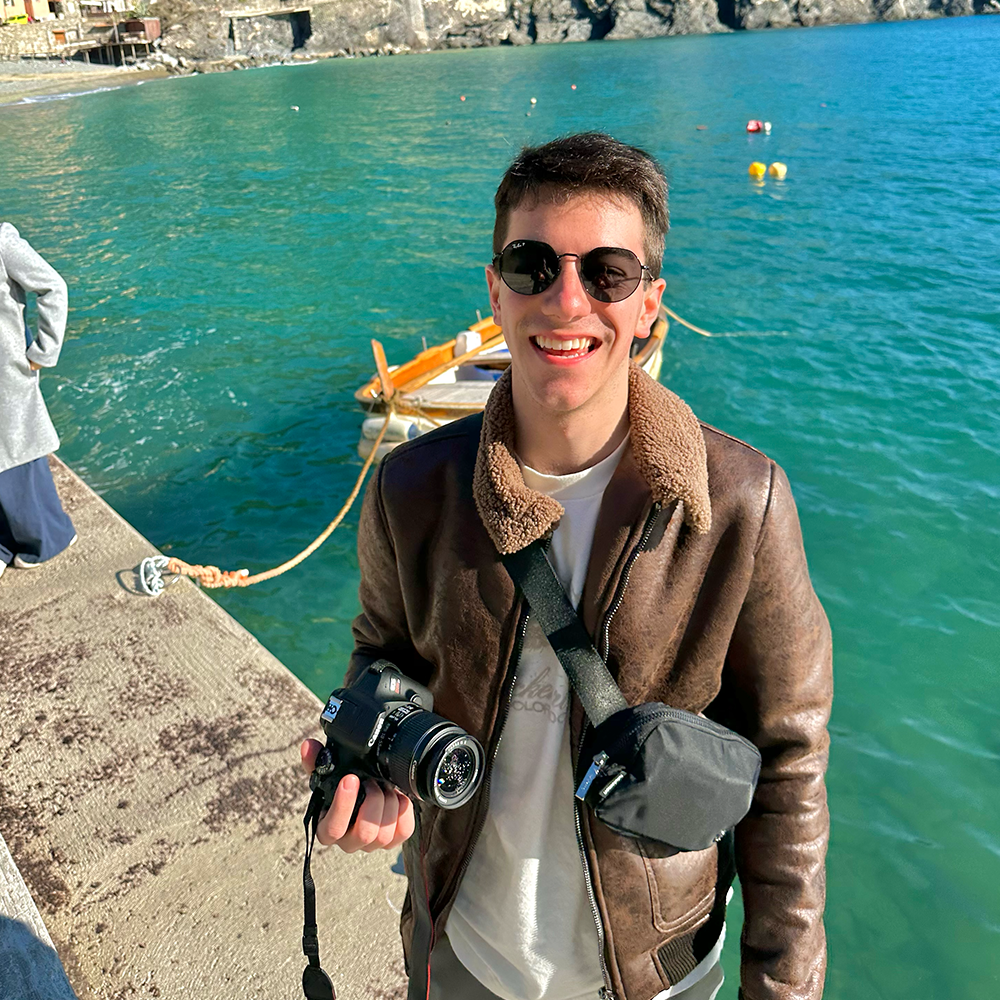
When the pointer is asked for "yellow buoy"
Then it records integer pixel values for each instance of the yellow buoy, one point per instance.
(757, 170)
(778, 170)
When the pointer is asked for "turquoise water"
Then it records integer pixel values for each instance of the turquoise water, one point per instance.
(229, 259)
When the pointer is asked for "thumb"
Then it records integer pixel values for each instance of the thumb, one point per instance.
(308, 752)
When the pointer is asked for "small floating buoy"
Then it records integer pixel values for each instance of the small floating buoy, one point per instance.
(754, 125)
(462, 98)
(757, 170)
(701, 128)
(767, 128)
(295, 107)
(572, 86)
(823, 105)
(527, 114)
(778, 170)
(534, 100)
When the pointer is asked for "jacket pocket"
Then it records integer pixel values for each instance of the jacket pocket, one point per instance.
(681, 887)
(684, 895)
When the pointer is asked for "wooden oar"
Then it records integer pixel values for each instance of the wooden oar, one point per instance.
(382, 367)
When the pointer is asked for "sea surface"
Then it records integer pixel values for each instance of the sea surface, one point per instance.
(230, 258)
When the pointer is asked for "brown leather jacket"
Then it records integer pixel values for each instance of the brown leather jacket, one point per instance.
(697, 595)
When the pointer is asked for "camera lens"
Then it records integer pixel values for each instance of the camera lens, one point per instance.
(430, 758)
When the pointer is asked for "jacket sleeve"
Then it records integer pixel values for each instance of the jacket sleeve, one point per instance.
(34, 274)
(780, 661)
(381, 631)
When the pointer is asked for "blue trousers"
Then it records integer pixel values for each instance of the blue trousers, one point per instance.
(33, 524)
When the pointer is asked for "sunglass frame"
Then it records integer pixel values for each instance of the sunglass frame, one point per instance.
(581, 257)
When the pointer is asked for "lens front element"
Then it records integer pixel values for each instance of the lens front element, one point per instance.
(457, 775)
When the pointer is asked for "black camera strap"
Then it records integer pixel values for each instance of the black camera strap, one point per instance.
(596, 688)
(316, 984)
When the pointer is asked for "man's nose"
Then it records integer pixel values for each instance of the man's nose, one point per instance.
(567, 296)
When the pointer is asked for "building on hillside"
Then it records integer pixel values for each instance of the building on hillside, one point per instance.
(38, 10)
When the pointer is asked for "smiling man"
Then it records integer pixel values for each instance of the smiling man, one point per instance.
(680, 547)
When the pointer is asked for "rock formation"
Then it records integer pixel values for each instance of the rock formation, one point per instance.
(207, 36)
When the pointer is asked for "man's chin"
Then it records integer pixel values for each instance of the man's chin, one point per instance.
(559, 398)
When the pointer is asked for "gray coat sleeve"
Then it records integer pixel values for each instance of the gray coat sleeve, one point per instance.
(33, 274)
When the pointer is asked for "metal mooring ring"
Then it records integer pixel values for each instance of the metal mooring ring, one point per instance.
(151, 575)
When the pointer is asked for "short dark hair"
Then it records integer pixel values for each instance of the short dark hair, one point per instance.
(590, 162)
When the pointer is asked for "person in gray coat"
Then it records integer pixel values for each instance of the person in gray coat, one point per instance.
(33, 525)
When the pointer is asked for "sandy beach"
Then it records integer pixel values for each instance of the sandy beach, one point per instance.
(26, 80)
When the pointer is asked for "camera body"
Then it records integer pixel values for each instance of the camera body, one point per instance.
(383, 727)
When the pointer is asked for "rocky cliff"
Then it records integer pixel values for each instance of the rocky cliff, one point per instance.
(208, 36)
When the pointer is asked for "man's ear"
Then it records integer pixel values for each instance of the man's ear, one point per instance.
(493, 282)
(651, 295)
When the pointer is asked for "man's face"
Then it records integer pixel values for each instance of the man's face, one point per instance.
(558, 376)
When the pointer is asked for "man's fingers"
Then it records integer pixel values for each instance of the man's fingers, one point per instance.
(308, 751)
(384, 820)
(387, 825)
(367, 825)
(333, 826)
(405, 822)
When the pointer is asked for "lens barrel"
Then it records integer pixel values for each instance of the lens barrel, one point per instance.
(430, 758)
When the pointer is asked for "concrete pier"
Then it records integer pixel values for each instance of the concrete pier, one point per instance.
(151, 796)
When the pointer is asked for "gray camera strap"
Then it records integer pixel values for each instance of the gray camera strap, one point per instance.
(596, 688)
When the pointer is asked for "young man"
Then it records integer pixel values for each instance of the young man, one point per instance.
(681, 548)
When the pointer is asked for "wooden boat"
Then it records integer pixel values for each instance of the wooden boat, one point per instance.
(452, 380)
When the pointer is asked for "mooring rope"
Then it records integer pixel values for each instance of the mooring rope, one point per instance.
(212, 576)
(738, 333)
(684, 322)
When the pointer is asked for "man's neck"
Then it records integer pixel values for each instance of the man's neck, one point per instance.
(558, 444)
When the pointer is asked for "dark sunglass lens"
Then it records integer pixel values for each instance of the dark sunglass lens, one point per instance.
(528, 268)
(610, 274)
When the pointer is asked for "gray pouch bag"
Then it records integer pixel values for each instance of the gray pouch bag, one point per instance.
(648, 771)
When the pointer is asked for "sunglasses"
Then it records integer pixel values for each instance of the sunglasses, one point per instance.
(608, 274)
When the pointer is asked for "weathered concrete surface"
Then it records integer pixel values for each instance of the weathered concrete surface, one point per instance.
(29, 966)
(150, 792)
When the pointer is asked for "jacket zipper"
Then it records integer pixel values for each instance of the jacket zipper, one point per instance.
(620, 591)
(607, 992)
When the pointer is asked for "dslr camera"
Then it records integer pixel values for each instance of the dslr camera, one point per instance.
(383, 727)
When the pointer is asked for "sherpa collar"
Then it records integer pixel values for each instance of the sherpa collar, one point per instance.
(667, 445)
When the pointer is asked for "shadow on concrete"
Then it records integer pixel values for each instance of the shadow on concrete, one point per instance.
(128, 580)
(29, 968)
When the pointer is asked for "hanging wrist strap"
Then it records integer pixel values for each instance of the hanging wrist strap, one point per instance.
(587, 672)
(316, 983)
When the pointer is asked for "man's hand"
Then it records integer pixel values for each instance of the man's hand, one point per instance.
(384, 821)
(35, 366)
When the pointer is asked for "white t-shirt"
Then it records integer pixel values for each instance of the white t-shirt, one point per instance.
(522, 923)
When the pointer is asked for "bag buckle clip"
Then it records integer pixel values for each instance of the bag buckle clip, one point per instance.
(591, 776)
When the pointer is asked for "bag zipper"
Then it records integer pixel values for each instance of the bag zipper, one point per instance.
(688, 718)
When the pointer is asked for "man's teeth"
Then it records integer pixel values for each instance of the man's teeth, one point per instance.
(551, 344)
